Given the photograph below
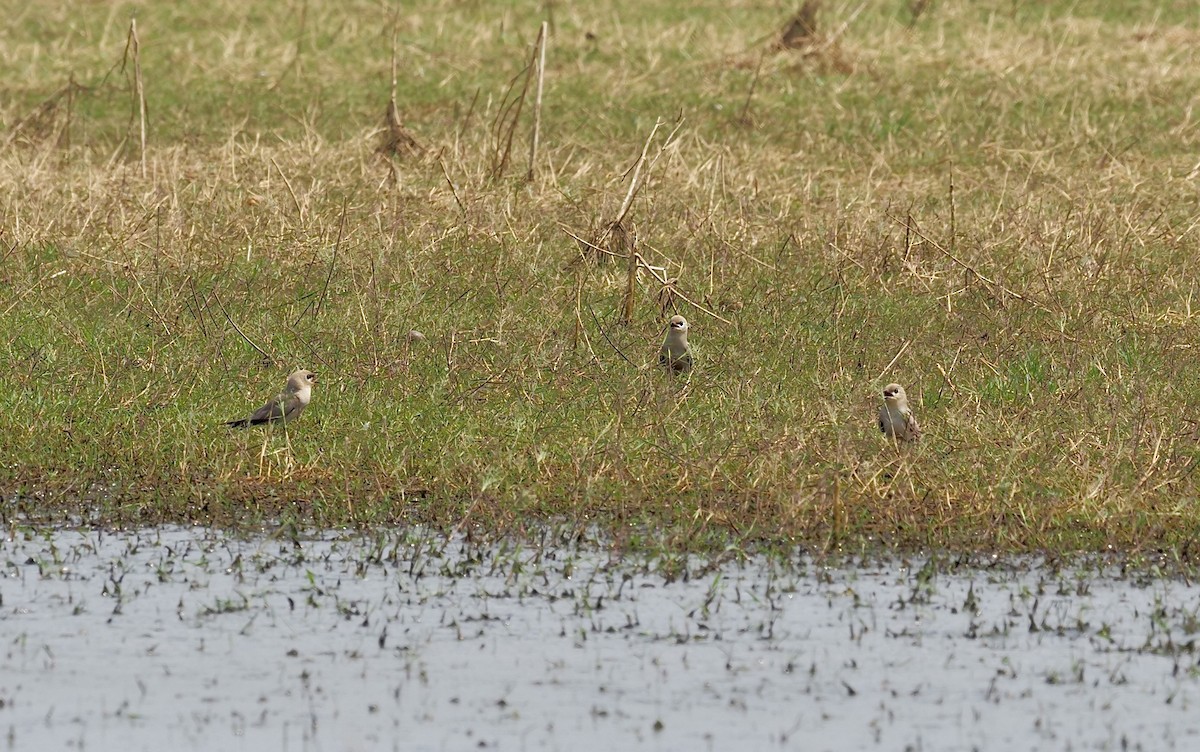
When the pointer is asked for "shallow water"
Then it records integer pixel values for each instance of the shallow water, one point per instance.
(191, 639)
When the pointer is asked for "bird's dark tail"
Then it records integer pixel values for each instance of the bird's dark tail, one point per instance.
(238, 423)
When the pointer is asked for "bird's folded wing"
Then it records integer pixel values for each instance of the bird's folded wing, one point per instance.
(273, 410)
(292, 406)
(914, 429)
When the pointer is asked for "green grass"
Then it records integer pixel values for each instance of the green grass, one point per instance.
(1039, 314)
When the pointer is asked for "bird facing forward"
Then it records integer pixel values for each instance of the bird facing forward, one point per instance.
(287, 406)
(896, 420)
(675, 353)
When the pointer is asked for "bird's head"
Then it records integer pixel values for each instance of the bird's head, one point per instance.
(678, 324)
(893, 393)
(301, 379)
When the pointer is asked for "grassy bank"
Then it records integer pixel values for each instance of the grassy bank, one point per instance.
(995, 205)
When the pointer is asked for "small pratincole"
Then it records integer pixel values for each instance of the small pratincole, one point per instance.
(287, 406)
(675, 353)
(895, 418)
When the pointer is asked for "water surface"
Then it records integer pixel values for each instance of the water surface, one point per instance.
(191, 639)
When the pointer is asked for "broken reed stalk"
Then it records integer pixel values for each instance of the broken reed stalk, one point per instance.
(578, 306)
(916, 9)
(453, 189)
(672, 282)
(133, 48)
(64, 136)
(988, 282)
(630, 285)
(953, 222)
(616, 229)
(832, 39)
(291, 191)
(47, 110)
(744, 117)
(295, 61)
(396, 138)
(635, 185)
(504, 127)
(637, 173)
(802, 29)
(537, 103)
(392, 114)
(332, 261)
(266, 357)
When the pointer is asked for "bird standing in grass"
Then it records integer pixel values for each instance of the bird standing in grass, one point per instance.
(287, 406)
(675, 353)
(895, 418)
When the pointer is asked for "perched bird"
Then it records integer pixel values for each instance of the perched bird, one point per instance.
(895, 418)
(676, 353)
(287, 406)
